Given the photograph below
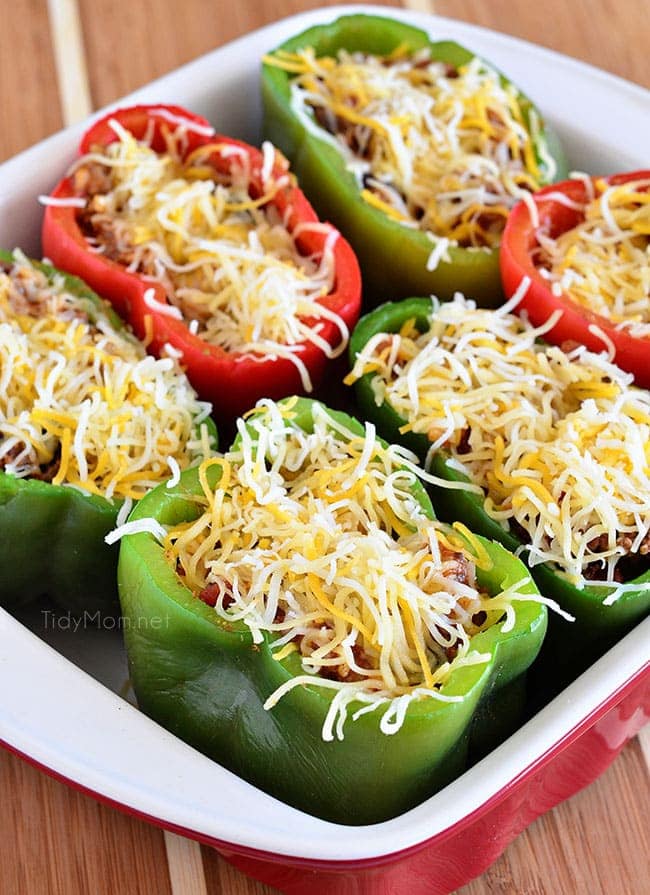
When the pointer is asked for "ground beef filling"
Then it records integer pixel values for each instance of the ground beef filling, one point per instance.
(458, 569)
(629, 566)
(92, 182)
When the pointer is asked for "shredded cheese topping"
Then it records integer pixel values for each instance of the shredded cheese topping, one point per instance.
(434, 147)
(559, 442)
(81, 404)
(604, 262)
(317, 539)
(229, 265)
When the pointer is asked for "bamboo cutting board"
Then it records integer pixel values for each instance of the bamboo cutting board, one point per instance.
(61, 59)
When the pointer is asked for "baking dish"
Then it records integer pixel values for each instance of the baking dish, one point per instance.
(62, 710)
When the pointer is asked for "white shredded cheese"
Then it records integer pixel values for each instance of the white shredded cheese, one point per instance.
(204, 130)
(317, 539)
(176, 472)
(124, 511)
(228, 263)
(63, 201)
(81, 403)
(136, 526)
(152, 302)
(557, 442)
(447, 151)
(603, 263)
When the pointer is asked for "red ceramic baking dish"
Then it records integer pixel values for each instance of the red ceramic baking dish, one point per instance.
(63, 710)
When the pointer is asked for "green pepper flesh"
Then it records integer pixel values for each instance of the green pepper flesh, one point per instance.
(393, 258)
(52, 536)
(206, 681)
(570, 647)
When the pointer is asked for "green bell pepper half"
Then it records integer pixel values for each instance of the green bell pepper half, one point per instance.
(570, 647)
(393, 258)
(204, 679)
(52, 536)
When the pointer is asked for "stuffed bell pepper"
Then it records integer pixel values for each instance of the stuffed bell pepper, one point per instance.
(206, 245)
(416, 150)
(543, 450)
(88, 423)
(325, 637)
(585, 247)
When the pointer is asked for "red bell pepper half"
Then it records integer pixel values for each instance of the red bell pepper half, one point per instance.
(576, 323)
(232, 381)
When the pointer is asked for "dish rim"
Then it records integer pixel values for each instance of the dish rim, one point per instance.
(324, 843)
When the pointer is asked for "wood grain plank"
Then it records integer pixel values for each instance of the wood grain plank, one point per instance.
(223, 879)
(70, 60)
(597, 843)
(644, 742)
(185, 864)
(562, 853)
(124, 51)
(58, 841)
(610, 34)
(29, 109)
(428, 6)
(68, 844)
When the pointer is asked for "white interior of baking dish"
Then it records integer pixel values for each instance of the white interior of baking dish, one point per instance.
(59, 701)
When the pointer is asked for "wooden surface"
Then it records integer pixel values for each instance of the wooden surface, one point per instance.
(58, 842)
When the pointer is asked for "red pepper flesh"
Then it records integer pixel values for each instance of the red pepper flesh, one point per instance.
(232, 381)
(577, 323)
